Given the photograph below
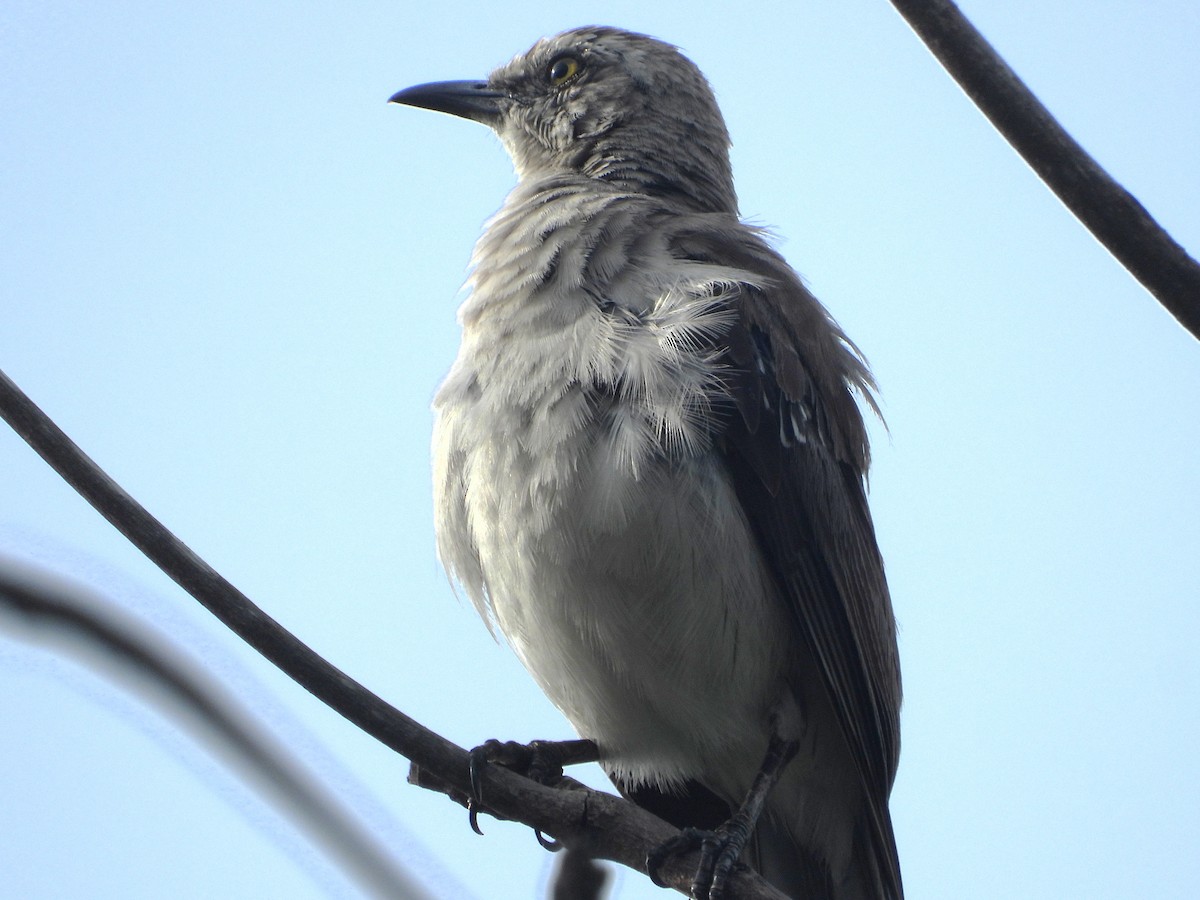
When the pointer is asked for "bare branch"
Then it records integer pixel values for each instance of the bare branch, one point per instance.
(1105, 208)
(605, 826)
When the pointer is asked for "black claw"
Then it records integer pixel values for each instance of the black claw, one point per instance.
(654, 862)
(548, 843)
(473, 817)
(688, 839)
(478, 759)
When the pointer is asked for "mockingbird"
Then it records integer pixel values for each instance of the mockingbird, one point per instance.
(649, 471)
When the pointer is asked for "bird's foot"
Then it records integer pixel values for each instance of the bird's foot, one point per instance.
(541, 761)
(720, 850)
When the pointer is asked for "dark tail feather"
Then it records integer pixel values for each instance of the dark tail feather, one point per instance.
(875, 846)
(787, 865)
(874, 873)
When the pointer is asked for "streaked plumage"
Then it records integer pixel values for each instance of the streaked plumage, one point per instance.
(650, 463)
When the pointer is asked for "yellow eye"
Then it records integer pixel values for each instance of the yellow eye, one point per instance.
(563, 70)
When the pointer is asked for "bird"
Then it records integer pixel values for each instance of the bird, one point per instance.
(649, 463)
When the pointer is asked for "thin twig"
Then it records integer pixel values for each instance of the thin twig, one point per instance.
(1105, 208)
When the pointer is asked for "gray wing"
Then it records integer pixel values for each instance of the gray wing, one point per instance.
(796, 449)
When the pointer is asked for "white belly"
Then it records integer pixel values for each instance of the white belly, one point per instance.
(636, 599)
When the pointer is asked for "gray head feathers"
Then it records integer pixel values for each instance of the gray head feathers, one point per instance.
(621, 107)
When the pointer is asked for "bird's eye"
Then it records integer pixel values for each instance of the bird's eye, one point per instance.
(563, 70)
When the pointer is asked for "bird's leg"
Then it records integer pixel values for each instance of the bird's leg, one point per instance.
(721, 849)
(541, 761)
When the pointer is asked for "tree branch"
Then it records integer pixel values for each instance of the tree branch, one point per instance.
(602, 825)
(1105, 208)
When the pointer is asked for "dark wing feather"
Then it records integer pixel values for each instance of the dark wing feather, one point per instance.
(796, 449)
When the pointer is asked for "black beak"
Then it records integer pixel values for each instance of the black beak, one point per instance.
(469, 99)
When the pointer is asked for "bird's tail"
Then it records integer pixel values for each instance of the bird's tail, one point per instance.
(786, 864)
(798, 872)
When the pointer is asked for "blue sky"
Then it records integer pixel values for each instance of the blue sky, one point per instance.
(230, 270)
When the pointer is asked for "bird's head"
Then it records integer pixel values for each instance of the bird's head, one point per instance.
(609, 104)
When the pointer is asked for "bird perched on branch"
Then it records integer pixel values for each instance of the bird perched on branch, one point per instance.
(649, 473)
